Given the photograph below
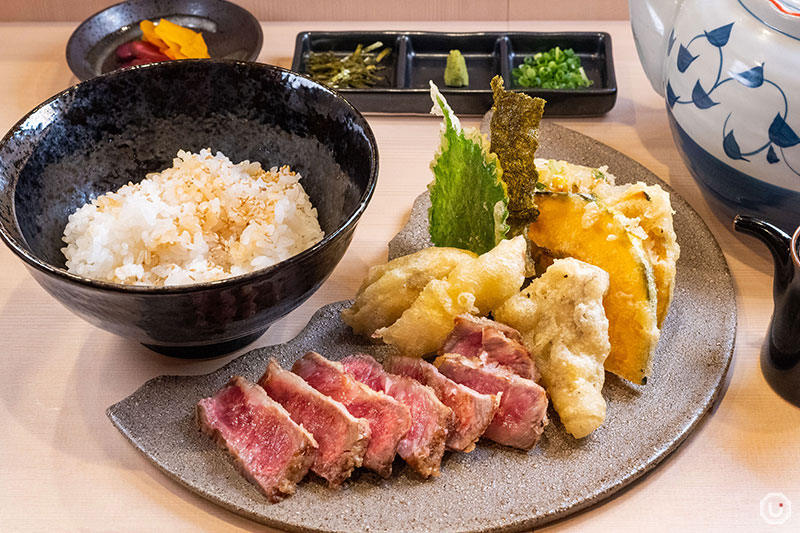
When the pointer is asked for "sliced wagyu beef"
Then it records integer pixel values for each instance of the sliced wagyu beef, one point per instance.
(423, 446)
(342, 438)
(472, 410)
(522, 414)
(271, 449)
(491, 343)
(389, 420)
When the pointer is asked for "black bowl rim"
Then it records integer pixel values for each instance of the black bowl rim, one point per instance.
(71, 42)
(20, 249)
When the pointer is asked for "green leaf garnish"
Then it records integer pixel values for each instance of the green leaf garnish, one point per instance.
(515, 138)
(468, 197)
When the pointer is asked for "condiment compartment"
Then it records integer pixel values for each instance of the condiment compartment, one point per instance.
(426, 57)
(344, 43)
(593, 49)
(419, 57)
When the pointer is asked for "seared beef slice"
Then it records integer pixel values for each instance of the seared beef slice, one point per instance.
(423, 446)
(388, 419)
(522, 415)
(271, 450)
(473, 411)
(491, 343)
(342, 438)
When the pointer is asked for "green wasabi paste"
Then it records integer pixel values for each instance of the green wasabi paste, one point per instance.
(455, 73)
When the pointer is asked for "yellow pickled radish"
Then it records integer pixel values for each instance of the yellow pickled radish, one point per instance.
(149, 35)
(182, 42)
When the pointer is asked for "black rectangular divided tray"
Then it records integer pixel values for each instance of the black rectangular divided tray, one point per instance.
(418, 57)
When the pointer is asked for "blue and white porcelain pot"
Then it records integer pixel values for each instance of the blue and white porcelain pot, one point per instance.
(729, 71)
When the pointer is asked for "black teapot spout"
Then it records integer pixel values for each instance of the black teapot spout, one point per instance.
(780, 359)
(779, 244)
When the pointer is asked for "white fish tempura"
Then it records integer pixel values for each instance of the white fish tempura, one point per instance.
(563, 324)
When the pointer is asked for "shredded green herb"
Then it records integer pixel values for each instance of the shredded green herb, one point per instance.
(358, 70)
(554, 69)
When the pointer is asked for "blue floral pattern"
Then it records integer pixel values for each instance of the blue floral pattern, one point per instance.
(779, 136)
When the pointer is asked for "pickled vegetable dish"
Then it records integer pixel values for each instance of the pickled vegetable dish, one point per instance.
(162, 42)
(358, 70)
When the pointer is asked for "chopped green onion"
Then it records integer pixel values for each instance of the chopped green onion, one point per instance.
(554, 69)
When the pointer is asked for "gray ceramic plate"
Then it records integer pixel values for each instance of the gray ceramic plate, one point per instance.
(493, 488)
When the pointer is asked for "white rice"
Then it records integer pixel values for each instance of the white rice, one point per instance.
(204, 219)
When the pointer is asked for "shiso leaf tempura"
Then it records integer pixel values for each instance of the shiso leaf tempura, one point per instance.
(468, 196)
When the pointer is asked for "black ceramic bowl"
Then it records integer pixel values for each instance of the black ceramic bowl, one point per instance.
(230, 31)
(102, 133)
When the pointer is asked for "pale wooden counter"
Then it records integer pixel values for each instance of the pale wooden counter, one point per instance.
(63, 466)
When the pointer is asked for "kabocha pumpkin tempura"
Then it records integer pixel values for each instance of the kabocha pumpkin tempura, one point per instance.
(619, 238)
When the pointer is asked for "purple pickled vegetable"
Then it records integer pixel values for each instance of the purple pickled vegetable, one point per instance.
(138, 53)
(136, 61)
(125, 52)
(144, 50)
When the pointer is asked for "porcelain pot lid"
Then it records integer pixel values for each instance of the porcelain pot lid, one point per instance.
(781, 15)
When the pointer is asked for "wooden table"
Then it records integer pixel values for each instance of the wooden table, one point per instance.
(63, 466)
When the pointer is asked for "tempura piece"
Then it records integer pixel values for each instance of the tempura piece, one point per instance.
(647, 208)
(475, 287)
(391, 288)
(650, 206)
(556, 175)
(468, 197)
(515, 138)
(563, 324)
(578, 226)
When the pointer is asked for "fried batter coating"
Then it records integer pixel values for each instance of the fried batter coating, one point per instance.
(651, 207)
(390, 289)
(647, 207)
(474, 287)
(563, 324)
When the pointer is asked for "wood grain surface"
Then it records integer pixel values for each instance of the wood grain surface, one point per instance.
(63, 467)
(280, 10)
